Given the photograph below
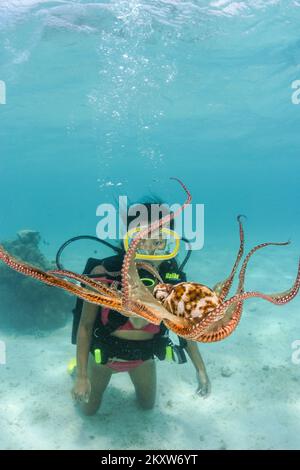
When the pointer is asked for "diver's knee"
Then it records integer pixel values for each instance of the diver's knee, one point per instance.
(146, 404)
(90, 409)
(89, 412)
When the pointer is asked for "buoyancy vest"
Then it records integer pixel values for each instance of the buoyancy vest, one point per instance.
(110, 346)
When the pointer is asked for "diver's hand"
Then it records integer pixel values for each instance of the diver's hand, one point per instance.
(204, 386)
(81, 390)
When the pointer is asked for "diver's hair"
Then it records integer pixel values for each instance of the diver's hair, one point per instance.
(148, 203)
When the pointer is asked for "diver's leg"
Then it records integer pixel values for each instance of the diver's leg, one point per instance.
(143, 378)
(99, 376)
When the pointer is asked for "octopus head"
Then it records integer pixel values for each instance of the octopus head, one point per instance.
(162, 291)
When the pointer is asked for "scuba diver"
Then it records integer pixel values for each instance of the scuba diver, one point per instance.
(109, 342)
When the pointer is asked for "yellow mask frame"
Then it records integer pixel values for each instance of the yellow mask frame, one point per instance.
(144, 256)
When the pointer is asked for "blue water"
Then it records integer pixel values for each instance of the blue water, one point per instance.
(112, 98)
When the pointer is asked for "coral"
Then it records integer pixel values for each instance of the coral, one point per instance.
(27, 305)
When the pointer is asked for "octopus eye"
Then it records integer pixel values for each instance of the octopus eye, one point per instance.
(161, 291)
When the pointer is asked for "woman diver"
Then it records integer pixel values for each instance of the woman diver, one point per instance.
(109, 342)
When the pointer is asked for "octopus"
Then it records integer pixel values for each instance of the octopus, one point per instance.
(189, 309)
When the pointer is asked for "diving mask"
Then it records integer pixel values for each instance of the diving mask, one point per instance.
(165, 245)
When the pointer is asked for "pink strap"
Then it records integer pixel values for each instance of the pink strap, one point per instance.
(105, 310)
(104, 314)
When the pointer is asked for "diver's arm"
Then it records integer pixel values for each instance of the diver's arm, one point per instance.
(82, 387)
(85, 329)
(202, 377)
